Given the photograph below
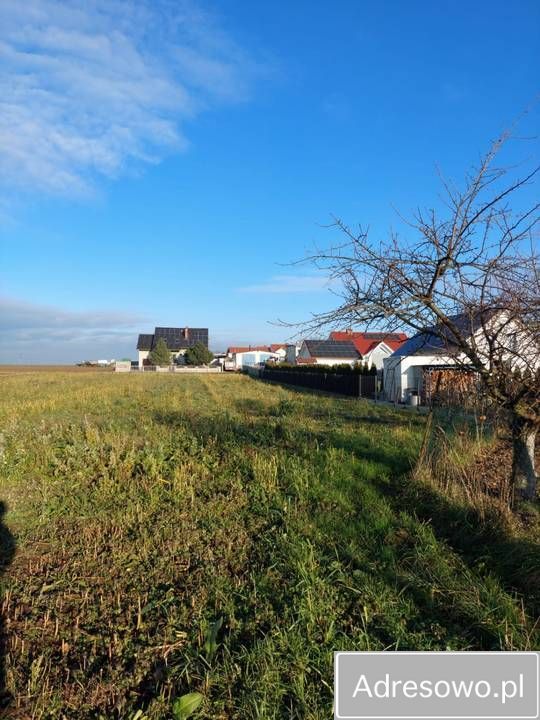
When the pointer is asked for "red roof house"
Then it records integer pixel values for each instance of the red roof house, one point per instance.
(372, 346)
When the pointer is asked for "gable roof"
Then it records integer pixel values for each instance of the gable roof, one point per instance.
(176, 338)
(145, 342)
(332, 349)
(437, 340)
(365, 342)
(424, 343)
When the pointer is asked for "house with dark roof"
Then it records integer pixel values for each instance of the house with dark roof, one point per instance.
(372, 346)
(328, 352)
(410, 369)
(178, 341)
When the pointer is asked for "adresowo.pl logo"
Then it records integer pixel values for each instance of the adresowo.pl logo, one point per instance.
(436, 685)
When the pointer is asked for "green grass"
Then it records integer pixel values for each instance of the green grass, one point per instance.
(220, 535)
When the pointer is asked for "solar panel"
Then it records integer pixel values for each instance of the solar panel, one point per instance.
(179, 338)
(144, 342)
(332, 348)
(381, 336)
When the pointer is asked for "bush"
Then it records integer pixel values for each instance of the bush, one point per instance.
(160, 355)
(345, 369)
(199, 354)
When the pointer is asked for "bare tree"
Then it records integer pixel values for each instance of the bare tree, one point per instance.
(469, 273)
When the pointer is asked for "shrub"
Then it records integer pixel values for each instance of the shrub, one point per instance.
(160, 355)
(344, 369)
(199, 354)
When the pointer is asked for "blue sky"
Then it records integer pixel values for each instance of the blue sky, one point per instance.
(162, 162)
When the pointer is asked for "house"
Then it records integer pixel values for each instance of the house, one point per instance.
(328, 352)
(431, 353)
(178, 341)
(279, 349)
(239, 357)
(372, 346)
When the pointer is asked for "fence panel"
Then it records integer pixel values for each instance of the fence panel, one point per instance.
(348, 384)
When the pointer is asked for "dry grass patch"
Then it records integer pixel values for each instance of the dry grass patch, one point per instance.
(219, 535)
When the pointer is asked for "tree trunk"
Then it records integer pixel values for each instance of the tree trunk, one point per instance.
(523, 468)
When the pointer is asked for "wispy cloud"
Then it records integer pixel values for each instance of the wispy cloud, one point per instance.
(35, 333)
(285, 284)
(39, 333)
(91, 86)
(20, 315)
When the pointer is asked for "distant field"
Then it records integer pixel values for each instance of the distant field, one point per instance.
(221, 535)
(17, 369)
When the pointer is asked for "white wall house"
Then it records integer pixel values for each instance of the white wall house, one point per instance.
(328, 352)
(404, 370)
(178, 341)
(250, 358)
(377, 355)
(237, 358)
(404, 373)
(279, 350)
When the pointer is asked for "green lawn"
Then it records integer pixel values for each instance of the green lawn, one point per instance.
(222, 535)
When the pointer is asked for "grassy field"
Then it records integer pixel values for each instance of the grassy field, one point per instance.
(220, 535)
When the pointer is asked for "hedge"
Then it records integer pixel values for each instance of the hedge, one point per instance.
(345, 369)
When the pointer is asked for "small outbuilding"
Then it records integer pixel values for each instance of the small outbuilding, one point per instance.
(431, 356)
(244, 356)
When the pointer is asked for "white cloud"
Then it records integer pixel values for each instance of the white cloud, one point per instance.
(16, 315)
(33, 333)
(285, 284)
(90, 86)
